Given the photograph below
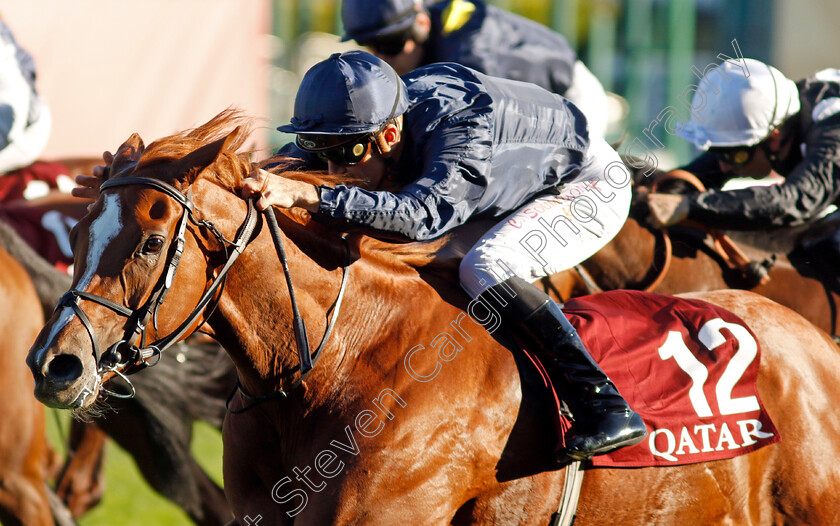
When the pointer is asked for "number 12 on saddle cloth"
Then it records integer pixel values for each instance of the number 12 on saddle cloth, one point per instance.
(687, 366)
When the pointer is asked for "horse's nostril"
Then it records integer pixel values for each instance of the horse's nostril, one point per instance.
(63, 368)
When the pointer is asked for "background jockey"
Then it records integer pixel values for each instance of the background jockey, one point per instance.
(460, 145)
(407, 35)
(25, 120)
(754, 123)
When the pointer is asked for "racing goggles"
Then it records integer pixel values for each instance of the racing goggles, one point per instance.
(736, 156)
(347, 153)
(388, 45)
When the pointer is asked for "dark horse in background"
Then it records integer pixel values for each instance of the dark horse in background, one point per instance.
(464, 449)
(636, 258)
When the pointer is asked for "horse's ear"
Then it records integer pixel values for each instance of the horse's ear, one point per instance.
(128, 153)
(196, 161)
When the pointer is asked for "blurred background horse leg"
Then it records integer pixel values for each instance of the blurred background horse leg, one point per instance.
(25, 452)
(190, 383)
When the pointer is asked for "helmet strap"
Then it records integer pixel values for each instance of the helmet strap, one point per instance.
(382, 145)
(773, 125)
(773, 156)
(775, 102)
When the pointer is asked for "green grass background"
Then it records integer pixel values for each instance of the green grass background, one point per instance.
(127, 499)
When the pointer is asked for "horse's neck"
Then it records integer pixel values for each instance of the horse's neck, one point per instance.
(255, 321)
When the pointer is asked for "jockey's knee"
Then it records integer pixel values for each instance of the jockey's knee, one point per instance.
(483, 267)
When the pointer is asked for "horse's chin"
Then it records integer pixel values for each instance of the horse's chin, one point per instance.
(80, 396)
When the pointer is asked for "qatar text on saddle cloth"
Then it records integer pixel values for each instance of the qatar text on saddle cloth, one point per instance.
(687, 366)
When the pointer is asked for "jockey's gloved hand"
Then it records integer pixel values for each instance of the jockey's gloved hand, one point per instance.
(275, 190)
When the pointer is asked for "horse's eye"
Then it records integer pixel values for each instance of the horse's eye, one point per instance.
(153, 245)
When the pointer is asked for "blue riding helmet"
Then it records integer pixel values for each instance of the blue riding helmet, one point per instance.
(365, 19)
(350, 93)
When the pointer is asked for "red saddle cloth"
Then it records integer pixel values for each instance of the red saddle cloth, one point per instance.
(14, 183)
(46, 230)
(688, 367)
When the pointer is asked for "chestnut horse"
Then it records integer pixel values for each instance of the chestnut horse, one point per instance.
(632, 260)
(469, 445)
(26, 454)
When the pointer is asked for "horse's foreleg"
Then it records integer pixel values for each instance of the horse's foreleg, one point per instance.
(23, 502)
(79, 484)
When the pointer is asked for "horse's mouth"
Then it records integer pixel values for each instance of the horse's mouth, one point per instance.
(87, 395)
(78, 397)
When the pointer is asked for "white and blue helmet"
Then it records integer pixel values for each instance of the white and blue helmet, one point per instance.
(749, 100)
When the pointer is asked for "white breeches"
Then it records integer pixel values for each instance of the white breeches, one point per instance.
(554, 232)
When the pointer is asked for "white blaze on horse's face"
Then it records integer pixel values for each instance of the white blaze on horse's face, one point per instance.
(103, 230)
(64, 318)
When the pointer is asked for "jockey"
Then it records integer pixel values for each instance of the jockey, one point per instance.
(756, 120)
(406, 34)
(460, 145)
(25, 120)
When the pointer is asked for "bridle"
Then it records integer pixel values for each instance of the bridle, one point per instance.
(124, 358)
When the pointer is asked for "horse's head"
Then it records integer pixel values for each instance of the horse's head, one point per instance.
(144, 226)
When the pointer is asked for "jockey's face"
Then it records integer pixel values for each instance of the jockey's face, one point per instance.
(757, 168)
(369, 172)
(759, 165)
(403, 51)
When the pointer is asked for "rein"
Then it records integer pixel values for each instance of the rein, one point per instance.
(306, 357)
(754, 272)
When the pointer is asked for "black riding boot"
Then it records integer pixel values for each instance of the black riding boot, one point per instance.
(603, 421)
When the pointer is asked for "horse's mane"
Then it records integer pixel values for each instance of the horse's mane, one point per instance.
(231, 166)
